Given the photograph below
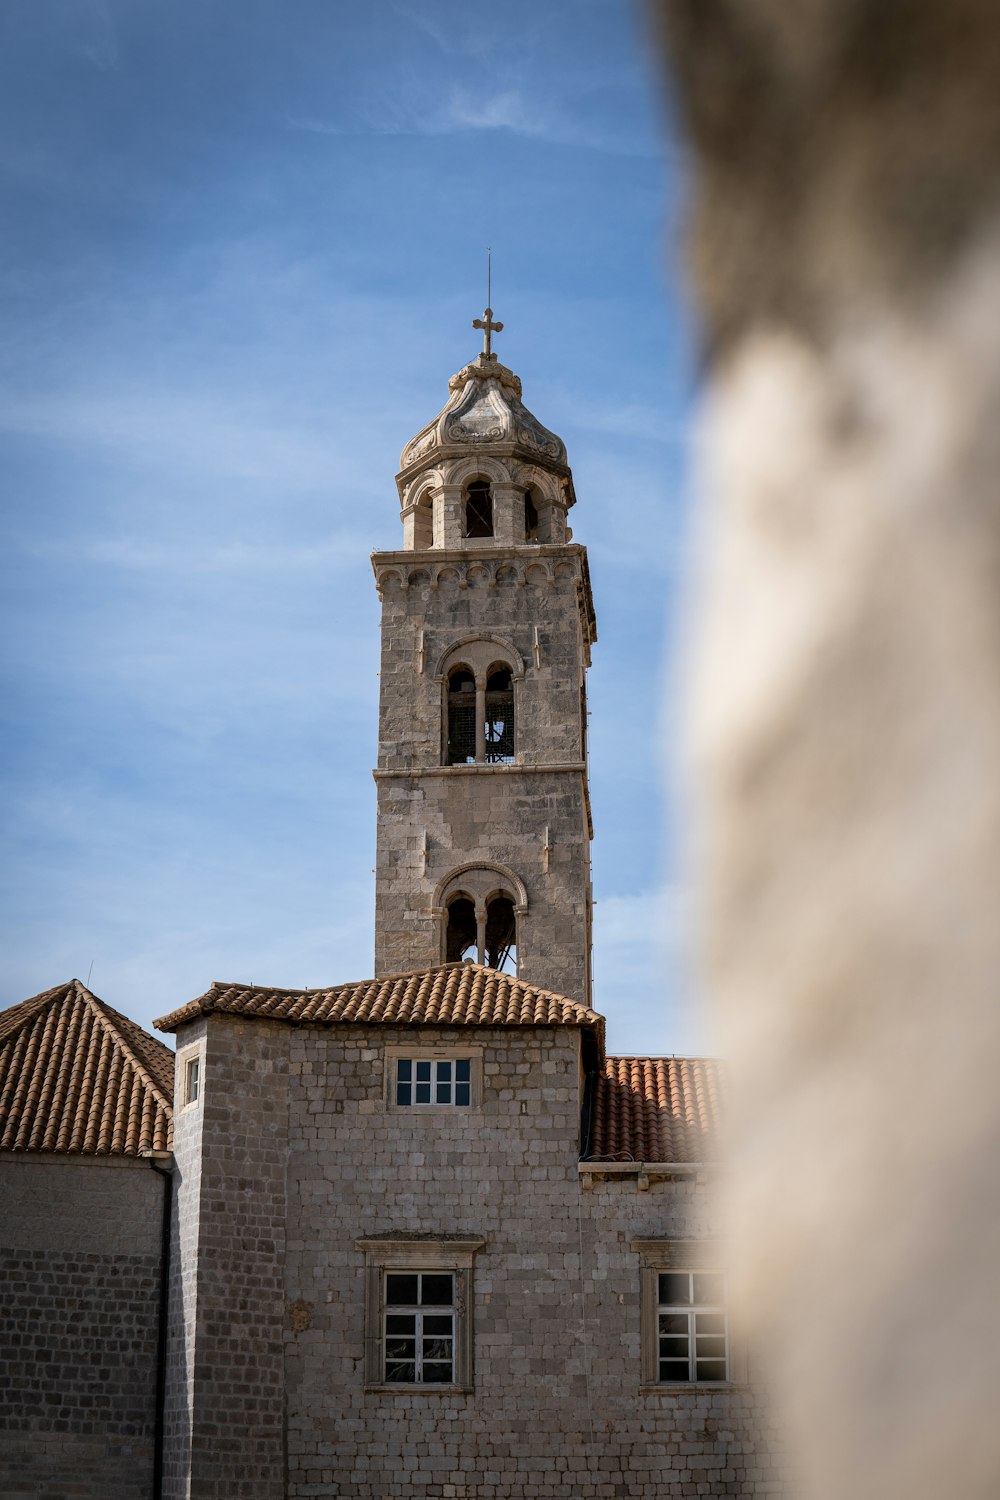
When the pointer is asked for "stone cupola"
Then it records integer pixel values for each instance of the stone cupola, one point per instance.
(485, 472)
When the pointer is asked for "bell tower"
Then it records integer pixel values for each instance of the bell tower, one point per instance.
(484, 828)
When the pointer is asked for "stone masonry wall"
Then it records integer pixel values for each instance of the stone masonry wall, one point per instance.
(227, 1434)
(481, 597)
(79, 1302)
(556, 1409)
(496, 813)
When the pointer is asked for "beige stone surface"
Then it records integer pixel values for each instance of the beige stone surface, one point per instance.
(846, 740)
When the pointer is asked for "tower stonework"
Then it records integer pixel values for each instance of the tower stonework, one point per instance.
(484, 824)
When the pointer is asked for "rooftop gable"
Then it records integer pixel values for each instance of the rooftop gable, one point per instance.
(76, 1076)
(458, 994)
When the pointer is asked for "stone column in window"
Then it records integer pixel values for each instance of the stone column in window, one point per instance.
(508, 514)
(481, 931)
(480, 721)
(449, 516)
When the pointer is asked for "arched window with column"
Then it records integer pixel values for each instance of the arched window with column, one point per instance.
(480, 906)
(480, 681)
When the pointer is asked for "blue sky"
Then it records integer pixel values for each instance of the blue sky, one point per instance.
(244, 243)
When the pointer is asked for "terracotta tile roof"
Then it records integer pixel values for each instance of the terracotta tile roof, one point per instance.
(449, 995)
(76, 1076)
(656, 1109)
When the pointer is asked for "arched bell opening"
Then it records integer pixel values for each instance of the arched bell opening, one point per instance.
(461, 933)
(485, 932)
(530, 517)
(461, 748)
(478, 509)
(501, 935)
(499, 720)
(423, 522)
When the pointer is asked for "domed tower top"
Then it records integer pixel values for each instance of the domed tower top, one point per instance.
(485, 472)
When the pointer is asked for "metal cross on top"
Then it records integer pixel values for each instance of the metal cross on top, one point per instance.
(488, 326)
(486, 322)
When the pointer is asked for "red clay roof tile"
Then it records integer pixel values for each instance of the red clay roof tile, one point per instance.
(656, 1109)
(77, 1076)
(450, 995)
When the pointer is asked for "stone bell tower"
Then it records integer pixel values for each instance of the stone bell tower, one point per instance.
(484, 821)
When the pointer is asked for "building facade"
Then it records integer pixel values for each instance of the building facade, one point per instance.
(427, 1239)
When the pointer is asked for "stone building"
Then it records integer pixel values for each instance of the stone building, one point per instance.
(85, 1113)
(428, 1240)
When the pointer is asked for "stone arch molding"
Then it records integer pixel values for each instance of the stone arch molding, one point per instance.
(482, 879)
(425, 485)
(477, 466)
(547, 484)
(479, 652)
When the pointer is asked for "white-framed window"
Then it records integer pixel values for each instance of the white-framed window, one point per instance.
(189, 1076)
(421, 1079)
(692, 1338)
(433, 1080)
(192, 1080)
(686, 1329)
(418, 1313)
(418, 1321)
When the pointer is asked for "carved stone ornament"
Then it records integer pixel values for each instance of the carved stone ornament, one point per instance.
(484, 407)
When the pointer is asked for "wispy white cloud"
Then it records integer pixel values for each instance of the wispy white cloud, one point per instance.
(465, 111)
(101, 46)
(339, 552)
(464, 34)
(193, 430)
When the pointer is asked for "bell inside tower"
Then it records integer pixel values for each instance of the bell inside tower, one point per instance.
(479, 509)
(484, 933)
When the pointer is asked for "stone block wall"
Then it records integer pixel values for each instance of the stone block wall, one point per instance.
(226, 1432)
(500, 815)
(433, 818)
(449, 600)
(79, 1304)
(302, 1158)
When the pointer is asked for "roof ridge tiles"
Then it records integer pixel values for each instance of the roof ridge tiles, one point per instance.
(441, 994)
(124, 1042)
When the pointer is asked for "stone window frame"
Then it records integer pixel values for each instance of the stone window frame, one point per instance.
(454, 1253)
(194, 1054)
(433, 1054)
(680, 1255)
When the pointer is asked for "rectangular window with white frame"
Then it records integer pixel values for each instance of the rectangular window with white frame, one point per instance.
(418, 1313)
(686, 1329)
(419, 1318)
(426, 1079)
(692, 1338)
(190, 1076)
(192, 1080)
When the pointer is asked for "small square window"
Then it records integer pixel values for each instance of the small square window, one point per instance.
(432, 1081)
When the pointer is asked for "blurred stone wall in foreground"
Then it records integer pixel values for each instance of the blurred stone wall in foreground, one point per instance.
(844, 244)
